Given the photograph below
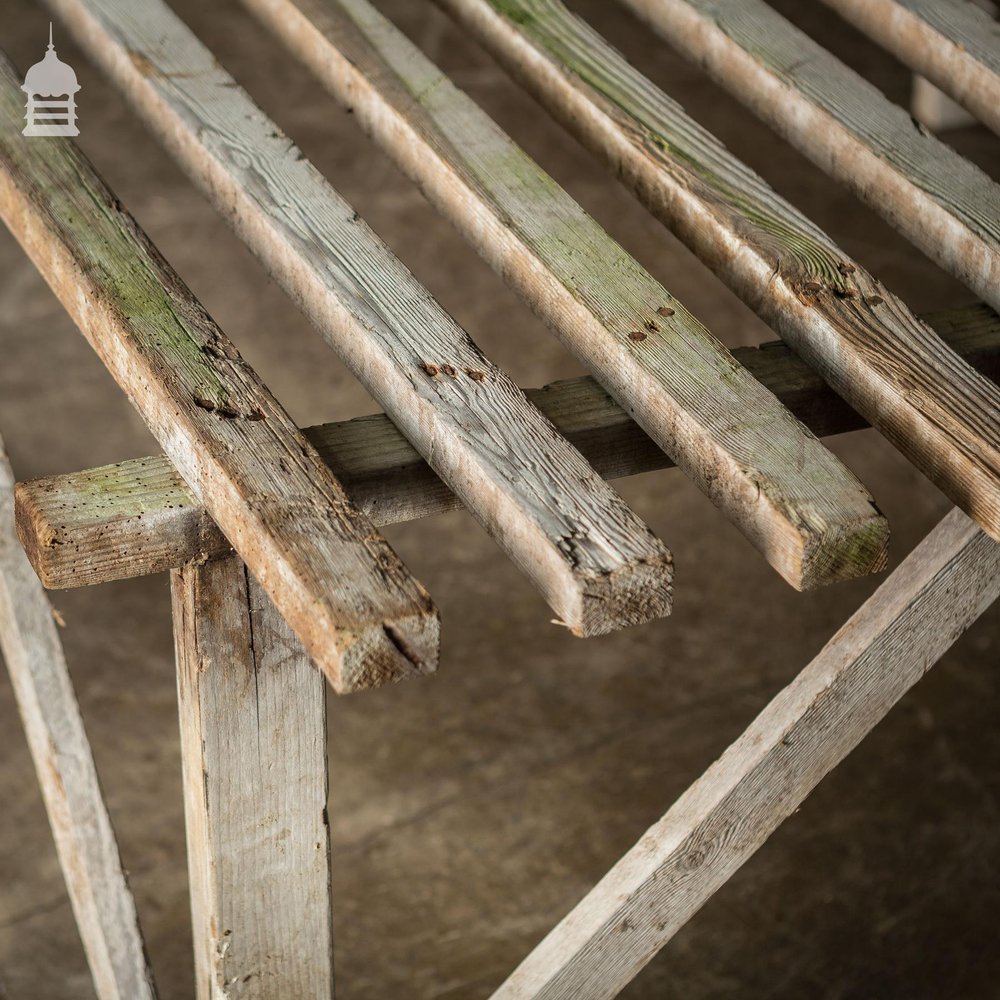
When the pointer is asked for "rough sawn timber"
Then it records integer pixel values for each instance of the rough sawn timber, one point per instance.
(940, 201)
(863, 340)
(254, 754)
(596, 563)
(85, 841)
(798, 504)
(888, 645)
(137, 517)
(343, 590)
(954, 43)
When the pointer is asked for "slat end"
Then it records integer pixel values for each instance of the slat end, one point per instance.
(638, 593)
(386, 653)
(844, 552)
(37, 535)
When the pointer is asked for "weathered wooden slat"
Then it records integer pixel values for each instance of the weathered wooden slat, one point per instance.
(728, 813)
(253, 748)
(798, 504)
(954, 43)
(85, 842)
(863, 340)
(940, 201)
(137, 517)
(362, 616)
(592, 558)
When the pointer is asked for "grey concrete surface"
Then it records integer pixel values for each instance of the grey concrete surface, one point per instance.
(472, 809)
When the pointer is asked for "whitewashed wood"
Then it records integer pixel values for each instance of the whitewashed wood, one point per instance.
(941, 202)
(138, 517)
(863, 340)
(88, 852)
(362, 616)
(725, 816)
(595, 562)
(807, 513)
(954, 43)
(253, 746)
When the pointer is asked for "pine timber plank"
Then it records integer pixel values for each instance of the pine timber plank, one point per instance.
(938, 200)
(137, 517)
(596, 563)
(254, 755)
(362, 616)
(862, 339)
(798, 504)
(727, 814)
(85, 841)
(954, 43)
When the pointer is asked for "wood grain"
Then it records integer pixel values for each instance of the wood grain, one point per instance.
(362, 616)
(85, 841)
(728, 813)
(254, 754)
(941, 202)
(797, 503)
(862, 339)
(595, 562)
(954, 43)
(137, 517)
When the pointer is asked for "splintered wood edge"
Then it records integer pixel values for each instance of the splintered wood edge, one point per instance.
(137, 517)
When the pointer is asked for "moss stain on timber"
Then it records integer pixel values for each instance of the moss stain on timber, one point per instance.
(555, 30)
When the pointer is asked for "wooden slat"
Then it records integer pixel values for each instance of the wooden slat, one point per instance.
(941, 202)
(725, 816)
(253, 747)
(359, 612)
(137, 517)
(85, 842)
(595, 562)
(954, 43)
(863, 340)
(797, 503)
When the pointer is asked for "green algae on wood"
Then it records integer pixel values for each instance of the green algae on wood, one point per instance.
(864, 341)
(332, 575)
(525, 485)
(792, 498)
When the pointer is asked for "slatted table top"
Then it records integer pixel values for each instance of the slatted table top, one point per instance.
(303, 508)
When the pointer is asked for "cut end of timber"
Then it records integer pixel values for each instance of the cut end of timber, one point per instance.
(387, 653)
(634, 595)
(38, 536)
(844, 552)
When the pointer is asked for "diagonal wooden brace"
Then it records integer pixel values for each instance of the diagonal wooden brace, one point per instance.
(726, 815)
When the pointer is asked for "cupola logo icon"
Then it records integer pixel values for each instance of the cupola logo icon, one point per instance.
(51, 88)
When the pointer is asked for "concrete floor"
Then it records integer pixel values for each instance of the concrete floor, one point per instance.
(471, 810)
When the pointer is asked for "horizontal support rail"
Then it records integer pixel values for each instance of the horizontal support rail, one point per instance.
(137, 517)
